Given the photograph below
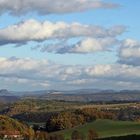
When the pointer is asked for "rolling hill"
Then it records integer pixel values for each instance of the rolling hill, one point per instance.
(10, 125)
(106, 128)
(81, 95)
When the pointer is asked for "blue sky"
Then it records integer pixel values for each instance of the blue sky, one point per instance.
(125, 15)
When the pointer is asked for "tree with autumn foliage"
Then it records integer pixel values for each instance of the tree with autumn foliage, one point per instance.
(92, 134)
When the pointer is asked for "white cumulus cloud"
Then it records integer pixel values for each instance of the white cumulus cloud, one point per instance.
(130, 52)
(32, 30)
(87, 45)
(92, 38)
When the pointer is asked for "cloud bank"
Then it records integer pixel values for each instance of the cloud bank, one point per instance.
(19, 7)
(45, 74)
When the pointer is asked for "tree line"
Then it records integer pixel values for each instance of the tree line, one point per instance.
(69, 119)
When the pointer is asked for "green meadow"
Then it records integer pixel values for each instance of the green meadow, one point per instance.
(106, 128)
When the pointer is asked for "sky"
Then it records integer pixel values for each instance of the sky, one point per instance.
(65, 45)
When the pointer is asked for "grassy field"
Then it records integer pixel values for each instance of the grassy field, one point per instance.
(106, 128)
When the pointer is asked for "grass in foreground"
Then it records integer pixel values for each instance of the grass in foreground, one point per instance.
(106, 128)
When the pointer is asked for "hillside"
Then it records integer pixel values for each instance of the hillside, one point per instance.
(80, 95)
(93, 97)
(10, 125)
(4, 92)
(88, 95)
(106, 128)
(7, 97)
(38, 106)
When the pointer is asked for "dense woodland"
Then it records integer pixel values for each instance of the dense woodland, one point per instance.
(65, 120)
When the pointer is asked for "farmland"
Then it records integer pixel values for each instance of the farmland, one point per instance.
(106, 128)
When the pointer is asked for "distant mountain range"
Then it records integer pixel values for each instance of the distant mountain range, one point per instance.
(4, 92)
(7, 97)
(81, 95)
